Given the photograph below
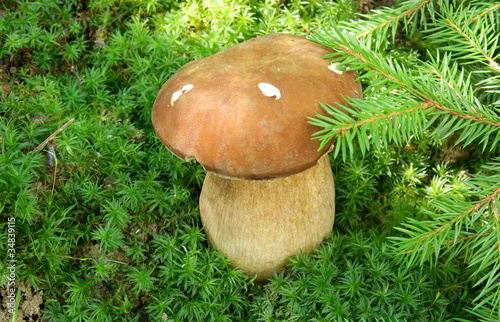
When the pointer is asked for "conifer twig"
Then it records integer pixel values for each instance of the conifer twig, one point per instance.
(464, 116)
(495, 217)
(443, 79)
(446, 242)
(479, 16)
(404, 14)
(474, 208)
(423, 96)
(424, 106)
(493, 64)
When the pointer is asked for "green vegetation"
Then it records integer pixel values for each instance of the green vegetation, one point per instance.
(442, 93)
(109, 227)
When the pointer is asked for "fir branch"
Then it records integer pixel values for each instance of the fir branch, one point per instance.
(469, 42)
(485, 12)
(493, 64)
(476, 119)
(495, 218)
(400, 81)
(472, 209)
(424, 82)
(350, 126)
(447, 82)
(446, 243)
(406, 14)
(454, 90)
(481, 249)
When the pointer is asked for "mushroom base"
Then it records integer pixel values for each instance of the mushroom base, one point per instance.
(258, 224)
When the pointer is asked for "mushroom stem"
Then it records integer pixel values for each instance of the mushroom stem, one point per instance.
(259, 223)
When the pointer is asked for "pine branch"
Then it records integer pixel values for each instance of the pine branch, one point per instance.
(497, 223)
(447, 242)
(395, 19)
(477, 119)
(473, 209)
(349, 126)
(460, 227)
(425, 83)
(455, 90)
(485, 12)
(470, 40)
(493, 64)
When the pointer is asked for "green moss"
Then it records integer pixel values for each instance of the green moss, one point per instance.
(110, 230)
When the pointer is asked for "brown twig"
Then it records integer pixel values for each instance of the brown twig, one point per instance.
(484, 13)
(115, 11)
(130, 51)
(465, 116)
(495, 217)
(69, 257)
(54, 181)
(52, 136)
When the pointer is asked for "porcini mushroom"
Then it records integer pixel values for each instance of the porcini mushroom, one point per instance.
(243, 115)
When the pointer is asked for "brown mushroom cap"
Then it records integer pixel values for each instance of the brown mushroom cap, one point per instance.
(243, 112)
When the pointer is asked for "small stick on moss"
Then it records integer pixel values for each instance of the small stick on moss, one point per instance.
(51, 137)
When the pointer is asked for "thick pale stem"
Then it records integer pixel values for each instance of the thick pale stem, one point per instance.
(258, 224)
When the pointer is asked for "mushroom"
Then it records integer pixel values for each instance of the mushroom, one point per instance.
(243, 115)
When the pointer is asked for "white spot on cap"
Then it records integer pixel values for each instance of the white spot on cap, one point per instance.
(177, 94)
(269, 90)
(334, 67)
